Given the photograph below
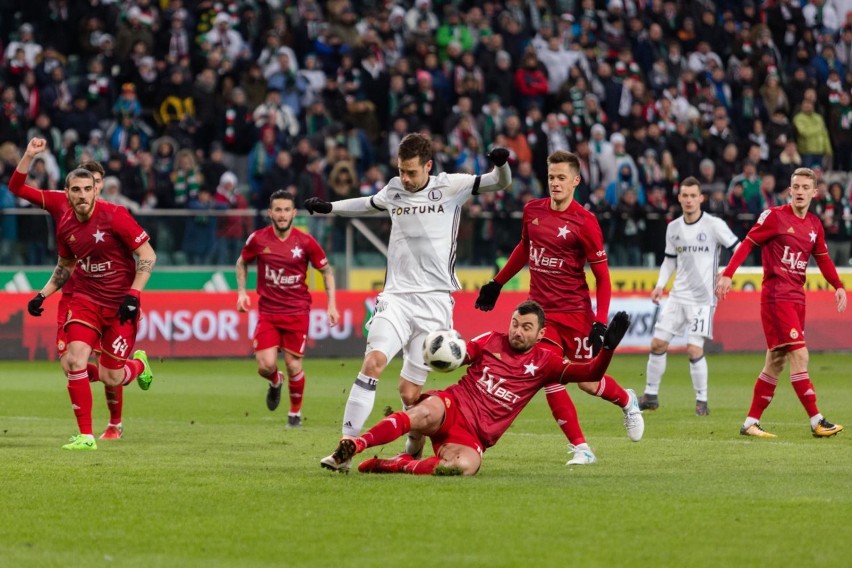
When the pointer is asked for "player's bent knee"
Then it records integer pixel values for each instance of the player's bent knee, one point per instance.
(374, 364)
(694, 352)
(590, 388)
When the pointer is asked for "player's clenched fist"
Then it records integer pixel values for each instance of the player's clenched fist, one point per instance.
(317, 205)
(498, 156)
(35, 147)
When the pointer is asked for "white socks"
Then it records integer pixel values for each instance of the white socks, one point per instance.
(654, 373)
(698, 372)
(359, 405)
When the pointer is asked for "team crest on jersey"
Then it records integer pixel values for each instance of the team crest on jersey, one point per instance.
(812, 236)
(435, 195)
(794, 334)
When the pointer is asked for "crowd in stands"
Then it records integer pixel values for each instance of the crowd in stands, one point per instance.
(212, 105)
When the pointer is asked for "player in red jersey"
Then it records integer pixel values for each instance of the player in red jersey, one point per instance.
(505, 371)
(283, 254)
(55, 202)
(789, 236)
(558, 238)
(100, 240)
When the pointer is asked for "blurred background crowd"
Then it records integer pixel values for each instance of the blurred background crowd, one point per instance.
(203, 106)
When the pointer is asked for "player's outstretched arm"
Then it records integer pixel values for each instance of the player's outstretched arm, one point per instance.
(489, 293)
(594, 370)
(16, 184)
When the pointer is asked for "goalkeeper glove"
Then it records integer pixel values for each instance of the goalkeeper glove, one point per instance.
(488, 295)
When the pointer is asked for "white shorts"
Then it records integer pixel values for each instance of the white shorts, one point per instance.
(402, 322)
(675, 318)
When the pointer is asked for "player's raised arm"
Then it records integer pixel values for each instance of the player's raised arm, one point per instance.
(594, 370)
(498, 178)
(16, 184)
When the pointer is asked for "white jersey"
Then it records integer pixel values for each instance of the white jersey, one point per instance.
(696, 248)
(425, 224)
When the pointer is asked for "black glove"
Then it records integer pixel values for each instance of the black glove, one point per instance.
(34, 305)
(596, 337)
(498, 156)
(617, 329)
(488, 295)
(317, 205)
(129, 309)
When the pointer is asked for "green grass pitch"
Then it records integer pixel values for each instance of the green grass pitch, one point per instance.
(206, 476)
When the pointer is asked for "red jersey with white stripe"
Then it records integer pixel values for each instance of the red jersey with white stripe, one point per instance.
(788, 242)
(53, 201)
(281, 269)
(103, 246)
(499, 383)
(560, 243)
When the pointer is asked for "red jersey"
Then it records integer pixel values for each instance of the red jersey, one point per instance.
(53, 201)
(103, 247)
(788, 243)
(560, 243)
(499, 383)
(281, 269)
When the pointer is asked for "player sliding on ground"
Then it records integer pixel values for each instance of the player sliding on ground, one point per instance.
(425, 213)
(505, 371)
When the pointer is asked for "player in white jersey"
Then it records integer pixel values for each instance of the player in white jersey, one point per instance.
(692, 250)
(425, 212)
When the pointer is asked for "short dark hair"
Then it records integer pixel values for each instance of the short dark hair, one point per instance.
(563, 157)
(281, 194)
(93, 166)
(690, 181)
(532, 307)
(415, 146)
(78, 173)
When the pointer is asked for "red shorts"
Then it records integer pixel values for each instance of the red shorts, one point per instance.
(570, 330)
(783, 325)
(61, 316)
(99, 328)
(286, 332)
(455, 429)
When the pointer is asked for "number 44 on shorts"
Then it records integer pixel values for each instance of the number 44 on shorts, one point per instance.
(120, 346)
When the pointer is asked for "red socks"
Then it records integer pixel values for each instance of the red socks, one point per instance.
(115, 402)
(564, 412)
(296, 384)
(81, 399)
(273, 377)
(764, 390)
(805, 391)
(388, 430)
(132, 369)
(610, 390)
(422, 467)
(94, 373)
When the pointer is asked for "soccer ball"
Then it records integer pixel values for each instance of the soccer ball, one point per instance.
(444, 351)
